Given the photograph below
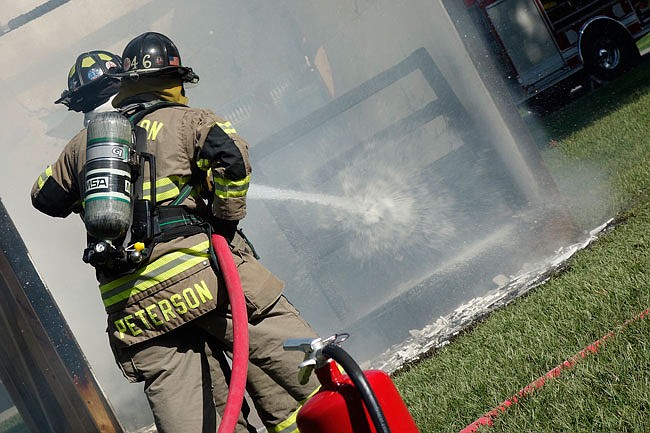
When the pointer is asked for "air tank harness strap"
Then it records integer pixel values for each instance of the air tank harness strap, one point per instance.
(136, 111)
(176, 221)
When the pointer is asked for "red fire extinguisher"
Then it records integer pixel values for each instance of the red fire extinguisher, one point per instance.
(356, 402)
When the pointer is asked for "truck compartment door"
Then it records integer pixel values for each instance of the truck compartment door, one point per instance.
(526, 38)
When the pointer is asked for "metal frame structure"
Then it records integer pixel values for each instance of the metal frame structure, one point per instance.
(41, 364)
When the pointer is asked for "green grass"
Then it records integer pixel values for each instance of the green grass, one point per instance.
(596, 147)
(14, 424)
(599, 142)
(643, 43)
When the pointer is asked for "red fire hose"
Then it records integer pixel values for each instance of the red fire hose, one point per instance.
(240, 334)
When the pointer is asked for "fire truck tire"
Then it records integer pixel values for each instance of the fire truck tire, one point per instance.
(608, 52)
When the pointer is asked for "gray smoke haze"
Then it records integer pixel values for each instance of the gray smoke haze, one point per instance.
(388, 186)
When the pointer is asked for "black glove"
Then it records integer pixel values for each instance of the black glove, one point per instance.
(225, 228)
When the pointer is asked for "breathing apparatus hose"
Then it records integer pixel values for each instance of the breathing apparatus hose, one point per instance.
(237, 384)
(360, 381)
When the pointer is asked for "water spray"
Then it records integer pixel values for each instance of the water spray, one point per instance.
(375, 215)
(372, 211)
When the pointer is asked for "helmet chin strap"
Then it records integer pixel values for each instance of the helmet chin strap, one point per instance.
(106, 106)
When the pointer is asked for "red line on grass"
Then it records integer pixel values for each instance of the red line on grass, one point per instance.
(488, 418)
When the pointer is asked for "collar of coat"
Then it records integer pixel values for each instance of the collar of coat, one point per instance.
(163, 88)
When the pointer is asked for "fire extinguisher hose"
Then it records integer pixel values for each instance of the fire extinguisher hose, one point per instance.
(360, 381)
(237, 384)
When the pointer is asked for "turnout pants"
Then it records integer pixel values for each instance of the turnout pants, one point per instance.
(184, 379)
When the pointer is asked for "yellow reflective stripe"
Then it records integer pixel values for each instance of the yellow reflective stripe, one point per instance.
(289, 425)
(233, 183)
(226, 127)
(229, 193)
(161, 270)
(225, 188)
(166, 188)
(165, 269)
(315, 391)
(203, 164)
(42, 178)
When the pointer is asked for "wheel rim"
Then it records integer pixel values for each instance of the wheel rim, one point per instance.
(608, 56)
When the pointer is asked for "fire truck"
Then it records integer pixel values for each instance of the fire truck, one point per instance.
(546, 44)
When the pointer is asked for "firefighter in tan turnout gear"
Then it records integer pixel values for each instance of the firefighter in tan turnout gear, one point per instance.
(168, 314)
(90, 91)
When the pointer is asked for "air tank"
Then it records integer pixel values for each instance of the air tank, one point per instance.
(107, 176)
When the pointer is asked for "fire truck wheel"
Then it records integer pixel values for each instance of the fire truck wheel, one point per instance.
(608, 54)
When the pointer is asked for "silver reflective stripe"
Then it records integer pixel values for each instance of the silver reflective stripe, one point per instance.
(161, 270)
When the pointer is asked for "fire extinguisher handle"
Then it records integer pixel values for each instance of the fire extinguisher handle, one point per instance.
(313, 345)
(299, 344)
(313, 349)
(310, 347)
